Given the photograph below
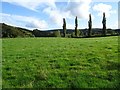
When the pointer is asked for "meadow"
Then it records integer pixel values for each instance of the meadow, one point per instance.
(60, 62)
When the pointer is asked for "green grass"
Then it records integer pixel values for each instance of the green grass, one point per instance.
(60, 63)
(0, 63)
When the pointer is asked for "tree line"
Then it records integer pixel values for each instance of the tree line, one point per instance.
(89, 32)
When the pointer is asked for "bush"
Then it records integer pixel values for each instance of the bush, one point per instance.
(56, 34)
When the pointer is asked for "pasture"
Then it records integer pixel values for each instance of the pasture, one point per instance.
(60, 62)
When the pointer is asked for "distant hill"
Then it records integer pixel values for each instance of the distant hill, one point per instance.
(95, 31)
(12, 32)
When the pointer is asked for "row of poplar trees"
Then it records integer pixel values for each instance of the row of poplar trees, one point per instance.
(89, 33)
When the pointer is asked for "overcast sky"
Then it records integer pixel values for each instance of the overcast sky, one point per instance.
(49, 14)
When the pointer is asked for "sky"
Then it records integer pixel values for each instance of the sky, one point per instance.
(49, 14)
(119, 15)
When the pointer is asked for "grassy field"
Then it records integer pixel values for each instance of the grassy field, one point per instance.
(60, 63)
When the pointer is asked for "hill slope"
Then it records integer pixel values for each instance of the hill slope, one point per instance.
(11, 31)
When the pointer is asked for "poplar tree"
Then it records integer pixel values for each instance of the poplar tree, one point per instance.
(90, 26)
(104, 25)
(64, 27)
(76, 25)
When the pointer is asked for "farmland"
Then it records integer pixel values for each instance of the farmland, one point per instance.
(60, 62)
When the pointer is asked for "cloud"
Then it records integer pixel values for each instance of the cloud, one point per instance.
(24, 21)
(56, 16)
(30, 4)
(37, 24)
(79, 8)
(74, 8)
(100, 8)
(105, 0)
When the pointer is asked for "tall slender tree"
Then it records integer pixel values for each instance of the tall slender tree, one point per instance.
(90, 26)
(64, 27)
(76, 25)
(104, 25)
